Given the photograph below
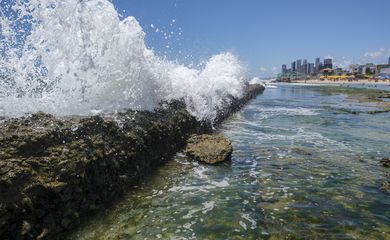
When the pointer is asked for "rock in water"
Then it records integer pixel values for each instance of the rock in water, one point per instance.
(210, 149)
(385, 162)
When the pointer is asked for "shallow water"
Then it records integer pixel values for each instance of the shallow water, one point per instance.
(300, 170)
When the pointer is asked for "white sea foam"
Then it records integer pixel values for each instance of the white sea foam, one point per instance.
(79, 57)
(208, 206)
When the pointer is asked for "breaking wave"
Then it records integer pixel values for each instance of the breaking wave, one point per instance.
(78, 57)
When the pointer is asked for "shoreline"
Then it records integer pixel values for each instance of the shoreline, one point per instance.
(338, 82)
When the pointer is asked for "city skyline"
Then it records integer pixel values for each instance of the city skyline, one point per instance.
(302, 69)
(306, 67)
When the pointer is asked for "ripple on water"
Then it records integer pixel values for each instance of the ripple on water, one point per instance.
(291, 176)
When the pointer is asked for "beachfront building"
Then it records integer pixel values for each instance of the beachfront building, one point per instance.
(339, 72)
(383, 72)
(367, 69)
(354, 68)
(380, 68)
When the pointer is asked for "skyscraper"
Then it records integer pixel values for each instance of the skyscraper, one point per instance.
(284, 68)
(317, 65)
(389, 61)
(328, 63)
(304, 67)
(294, 66)
(299, 65)
(311, 69)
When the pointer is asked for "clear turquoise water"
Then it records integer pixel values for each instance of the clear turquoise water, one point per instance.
(300, 170)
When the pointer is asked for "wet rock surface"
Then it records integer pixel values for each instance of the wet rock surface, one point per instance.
(385, 162)
(55, 172)
(209, 149)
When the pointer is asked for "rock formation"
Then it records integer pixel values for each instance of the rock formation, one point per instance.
(210, 149)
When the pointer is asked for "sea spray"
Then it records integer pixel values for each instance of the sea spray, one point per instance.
(79, 57)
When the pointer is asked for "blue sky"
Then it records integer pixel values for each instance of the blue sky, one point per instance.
(266, 33)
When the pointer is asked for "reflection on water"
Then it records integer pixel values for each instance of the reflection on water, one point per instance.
(299, 171)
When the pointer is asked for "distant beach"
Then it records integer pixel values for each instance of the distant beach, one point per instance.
(359, 81)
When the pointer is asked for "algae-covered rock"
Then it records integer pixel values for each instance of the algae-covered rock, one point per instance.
(210, 149)
(54, 171)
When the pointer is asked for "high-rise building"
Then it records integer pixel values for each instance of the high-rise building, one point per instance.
(389, 61)
(311, 69)
(284, 68)
(304, 67)
(317, 65)
(299, 66)
(294, 66)
(328, 63)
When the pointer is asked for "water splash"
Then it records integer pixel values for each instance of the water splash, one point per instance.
(79, 57)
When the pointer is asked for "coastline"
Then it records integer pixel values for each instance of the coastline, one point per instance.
(343, 82)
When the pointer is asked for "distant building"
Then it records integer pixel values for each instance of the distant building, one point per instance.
(284, 68)
(311, 69)
(389, 61)
(321, 66)
(328, 63)
(299, 66)
(382, 67)
(354, 68)
(367, 69)
(293, 66)
(385, 71)
(317, 65)
(304, 67)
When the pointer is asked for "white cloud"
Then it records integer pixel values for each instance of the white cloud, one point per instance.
(263, 69)
(377, 54)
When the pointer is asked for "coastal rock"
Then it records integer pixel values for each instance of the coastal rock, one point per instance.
(385, 187)
(385, 162)
(210, 149)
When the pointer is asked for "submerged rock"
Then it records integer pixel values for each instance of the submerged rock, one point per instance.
(210, 149)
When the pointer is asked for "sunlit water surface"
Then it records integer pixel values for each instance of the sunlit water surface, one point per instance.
(299, 171)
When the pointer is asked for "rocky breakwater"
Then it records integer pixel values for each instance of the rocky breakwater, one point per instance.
(54, 172)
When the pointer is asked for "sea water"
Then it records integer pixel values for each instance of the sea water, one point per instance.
(299, 170)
